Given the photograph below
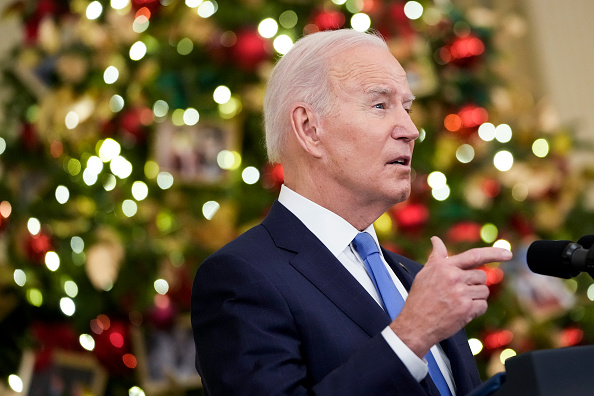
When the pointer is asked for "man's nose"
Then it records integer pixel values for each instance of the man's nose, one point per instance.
(405, 130)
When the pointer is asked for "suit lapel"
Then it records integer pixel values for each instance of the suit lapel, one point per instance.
(316, 263)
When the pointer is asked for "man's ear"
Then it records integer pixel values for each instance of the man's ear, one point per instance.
(305, 125)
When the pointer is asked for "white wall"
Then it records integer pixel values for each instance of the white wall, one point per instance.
(563, 37)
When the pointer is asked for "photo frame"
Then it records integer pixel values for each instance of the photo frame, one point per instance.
(189, 152)
(69, 374)
(166, 358)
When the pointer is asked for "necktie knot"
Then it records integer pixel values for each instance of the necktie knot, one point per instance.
(365, 245)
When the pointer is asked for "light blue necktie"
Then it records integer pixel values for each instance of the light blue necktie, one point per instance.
(391, 297)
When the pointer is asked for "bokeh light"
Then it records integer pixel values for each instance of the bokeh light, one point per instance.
(250, 175)
(77, 244)
(119, 4)
(506, 354)
(191, 116)
(116, 103)
(207, 9)
(67, 306)
(436, 179)
(160, 108)
(360, 22)
(52, 260)
(503, 160)
(20, 278)
(139, 190)
(62, 194)
(540, 148)
(221, 94)
(15, 382)
(489, 233)
(94, 10)
(503, 133)
(209, 209)
(268, 28)
(413, 10)
(71, 288)
(476, 346)
(108, 150)
(111, 75)
(442, 193)
(164, 180)
(87, 341)
(487, 131)
(138, 51)
(465, 153)
(282, 44)
(129, 207)
(288, 19)
(161, 286)
(34, 226)
(185, 46)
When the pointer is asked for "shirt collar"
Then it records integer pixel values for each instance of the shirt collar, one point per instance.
(331, 229)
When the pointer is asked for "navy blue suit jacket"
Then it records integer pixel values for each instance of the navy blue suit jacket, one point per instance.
(275, 313)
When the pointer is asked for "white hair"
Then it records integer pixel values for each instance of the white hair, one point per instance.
(301, 75)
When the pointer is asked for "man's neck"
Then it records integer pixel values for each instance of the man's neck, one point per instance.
(359, 214)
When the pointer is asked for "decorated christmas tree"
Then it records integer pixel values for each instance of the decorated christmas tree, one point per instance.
(132, 147)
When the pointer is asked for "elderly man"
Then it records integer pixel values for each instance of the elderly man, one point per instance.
(305, 302)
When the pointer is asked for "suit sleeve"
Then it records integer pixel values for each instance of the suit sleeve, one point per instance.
(247, 342)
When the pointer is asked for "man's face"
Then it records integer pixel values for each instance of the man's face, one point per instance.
(369, 137)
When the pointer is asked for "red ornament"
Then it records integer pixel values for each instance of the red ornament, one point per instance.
(134, 123)
(464, 51)
(400, 21)
(522, 225)
(52, 336)
(274, 176)
(473, 116)
(494, 274)
(111, 345)
(410, 216)
(162, 314)
(152, 5)
(328, 20)
(498, 339)
(491, 188)
(36, 246)
(466, 231)
(44, 9)
(571, 336)
(29, 137)
(250, 49)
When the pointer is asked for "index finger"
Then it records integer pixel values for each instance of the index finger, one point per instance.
(476, 257)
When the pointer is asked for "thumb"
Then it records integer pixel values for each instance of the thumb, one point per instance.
(439, 251)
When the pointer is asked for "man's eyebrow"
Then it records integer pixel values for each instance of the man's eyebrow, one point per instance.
(409, 98)
(386, 91)
(378, 91)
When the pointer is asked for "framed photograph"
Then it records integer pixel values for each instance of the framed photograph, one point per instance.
(190, 153)
(166, 358)
(68, 374)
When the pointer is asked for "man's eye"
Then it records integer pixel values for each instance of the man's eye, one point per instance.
(379, 106)
(408, 110)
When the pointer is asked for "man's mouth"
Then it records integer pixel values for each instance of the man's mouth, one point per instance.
(400, 161)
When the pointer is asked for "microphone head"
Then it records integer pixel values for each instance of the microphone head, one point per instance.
(586, 241)
(546, 258)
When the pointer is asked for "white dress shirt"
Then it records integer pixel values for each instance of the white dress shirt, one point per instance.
(337, 235)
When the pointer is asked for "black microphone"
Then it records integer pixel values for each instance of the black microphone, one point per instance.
(563, 259)
(552, 258)
(586, 241)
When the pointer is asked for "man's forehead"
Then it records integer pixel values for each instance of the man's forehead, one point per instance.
(373, 64)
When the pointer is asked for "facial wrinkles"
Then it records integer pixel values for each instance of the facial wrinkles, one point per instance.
(358, 78)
